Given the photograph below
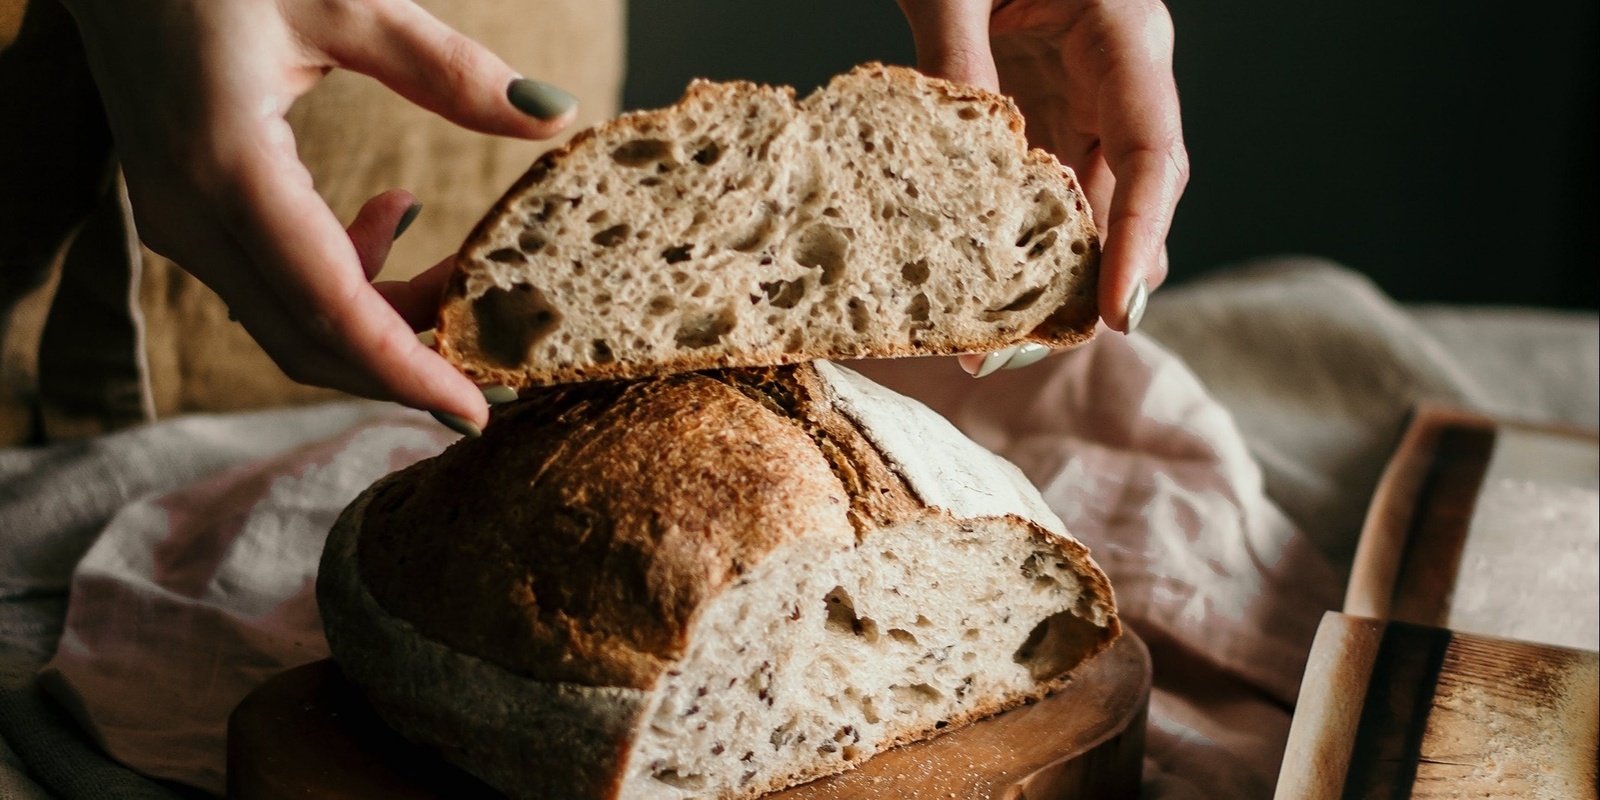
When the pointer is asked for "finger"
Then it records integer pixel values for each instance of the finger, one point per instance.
(438, 68)
(255, 306)
(417, 300)
(1142, 144)
(1099, 186)
(298, 248)
(1158, 275)
(379, 222)
(952, 40)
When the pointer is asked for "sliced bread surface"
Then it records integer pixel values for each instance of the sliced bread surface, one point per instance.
(710, 585)
(887, 214)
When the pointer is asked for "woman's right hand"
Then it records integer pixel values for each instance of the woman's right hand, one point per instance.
(196, 92)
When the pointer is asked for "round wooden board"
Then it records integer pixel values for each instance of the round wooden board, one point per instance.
(308, 733)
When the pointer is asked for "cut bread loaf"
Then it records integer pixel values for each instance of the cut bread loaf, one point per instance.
(887, 214)
(813, 570)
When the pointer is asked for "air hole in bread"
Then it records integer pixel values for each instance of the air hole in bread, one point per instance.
(597, 217)
(660, 304)
(860, 318)
(531, 242)
(612, 236)
(641, 152)
(510, 322)
(1055, 644)
(968, 113)
(754, 236)
(911, 189)
(646, 182)
(832, 212)
(915, 272)
(842, 616)
(707, 154)
(1044, 243)
(823, 247)
(907, 698)
(903, 636)
(705, 330)
(1020, 302)
(677, 253)
(1079, 247)
(701, 290)
(784, 294)
(680, 277)
(688, 783)
(602, 352)
(507, 255)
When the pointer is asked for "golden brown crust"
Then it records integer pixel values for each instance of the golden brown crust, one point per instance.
(621, 509)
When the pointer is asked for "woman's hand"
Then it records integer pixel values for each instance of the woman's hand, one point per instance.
(1094, 80)
(196, 92)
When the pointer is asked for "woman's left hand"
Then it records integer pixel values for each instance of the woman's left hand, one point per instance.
(1094, 81)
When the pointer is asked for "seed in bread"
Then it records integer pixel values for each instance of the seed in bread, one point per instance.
(887, 214)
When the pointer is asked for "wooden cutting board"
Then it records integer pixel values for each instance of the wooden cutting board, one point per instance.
(308, 733)
(1484, 525)
(1396, 710)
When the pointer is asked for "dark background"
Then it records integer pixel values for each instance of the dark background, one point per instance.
(1446, 148)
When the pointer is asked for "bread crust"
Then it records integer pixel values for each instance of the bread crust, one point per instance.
(1070, 323)
(577, 617)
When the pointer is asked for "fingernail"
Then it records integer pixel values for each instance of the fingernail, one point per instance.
(406, 219)
(995, 361)
(498, 393)
(461, 425)
(1136, 305)
(428, 338)
(1027, 355)
(538, 99)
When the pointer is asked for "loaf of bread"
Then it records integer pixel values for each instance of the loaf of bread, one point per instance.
(887, 214)
(705, 585)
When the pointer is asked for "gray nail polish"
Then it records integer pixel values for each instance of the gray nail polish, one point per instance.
(538, 99)
(994, 361)
(1027, 355)
(1136, 305)
(498, 393)
(406, 219)
(460, 425)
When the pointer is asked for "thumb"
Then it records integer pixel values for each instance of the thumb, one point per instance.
(438, 68)
(952, 38)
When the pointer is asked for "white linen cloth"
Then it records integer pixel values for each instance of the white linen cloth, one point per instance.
(189, 598)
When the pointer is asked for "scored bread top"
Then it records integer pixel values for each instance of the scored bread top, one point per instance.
(887, 214)
(568, 545)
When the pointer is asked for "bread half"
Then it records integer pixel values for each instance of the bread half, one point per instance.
(887, 214)
(709, 585)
